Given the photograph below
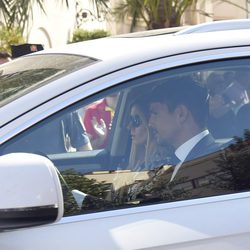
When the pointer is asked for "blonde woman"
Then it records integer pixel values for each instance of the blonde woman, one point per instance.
(144, 153)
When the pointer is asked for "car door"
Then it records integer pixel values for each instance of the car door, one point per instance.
(130, 206)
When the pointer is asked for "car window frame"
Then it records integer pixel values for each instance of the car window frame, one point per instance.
(154, 71)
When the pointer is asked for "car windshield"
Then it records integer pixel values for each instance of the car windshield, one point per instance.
(25, 74)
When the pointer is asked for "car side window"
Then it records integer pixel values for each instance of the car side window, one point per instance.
(168, 136)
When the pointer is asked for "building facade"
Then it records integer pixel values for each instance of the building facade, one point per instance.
(56, 26)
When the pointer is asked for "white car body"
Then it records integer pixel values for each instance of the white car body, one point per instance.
(235, 24)
(218, 222)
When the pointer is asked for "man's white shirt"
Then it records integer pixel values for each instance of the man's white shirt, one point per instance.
(182, 151)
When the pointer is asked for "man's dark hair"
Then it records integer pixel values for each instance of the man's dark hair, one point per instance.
(185, 91)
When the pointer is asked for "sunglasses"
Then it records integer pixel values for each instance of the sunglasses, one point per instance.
(135, 121)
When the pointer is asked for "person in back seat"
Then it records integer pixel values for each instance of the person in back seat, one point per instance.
(220, 109)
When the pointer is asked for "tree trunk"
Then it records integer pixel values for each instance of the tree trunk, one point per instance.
(159, 21)
(166, 16)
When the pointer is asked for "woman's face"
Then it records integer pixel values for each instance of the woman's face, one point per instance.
(138, 130)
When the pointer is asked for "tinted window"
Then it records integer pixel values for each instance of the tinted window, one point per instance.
(27, 73)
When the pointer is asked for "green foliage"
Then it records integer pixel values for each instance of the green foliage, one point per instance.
(9, 37)
(161, 13)
(17, 13)
(84, 35)
(155, 13)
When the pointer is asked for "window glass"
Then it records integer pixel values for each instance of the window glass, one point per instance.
(173, 135)
(26, 73)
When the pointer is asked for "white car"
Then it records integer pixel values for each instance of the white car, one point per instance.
(57, 194)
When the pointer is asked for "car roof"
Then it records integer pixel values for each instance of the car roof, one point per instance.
(235, 24)
(139, 49)
(156, 32)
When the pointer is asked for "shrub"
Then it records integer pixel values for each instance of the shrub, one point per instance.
(9, 37)
(84, 35)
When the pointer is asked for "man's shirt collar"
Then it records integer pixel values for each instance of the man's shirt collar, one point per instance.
(182, 151)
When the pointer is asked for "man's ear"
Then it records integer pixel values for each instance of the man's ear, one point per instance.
(181, 113)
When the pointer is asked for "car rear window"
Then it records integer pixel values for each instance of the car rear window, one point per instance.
(25, 74)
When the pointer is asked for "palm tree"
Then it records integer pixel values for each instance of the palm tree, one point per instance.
(16, 13)
(161, 13)
(100, 5)
(155, 13)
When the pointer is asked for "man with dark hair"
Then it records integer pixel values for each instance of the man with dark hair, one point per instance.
(179, 112)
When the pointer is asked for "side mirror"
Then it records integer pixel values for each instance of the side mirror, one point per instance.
(30, 191)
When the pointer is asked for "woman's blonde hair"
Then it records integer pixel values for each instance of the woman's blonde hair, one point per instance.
(141, 155)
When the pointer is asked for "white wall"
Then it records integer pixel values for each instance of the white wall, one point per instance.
(92, 21)
(53, 28)
(227, 11)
